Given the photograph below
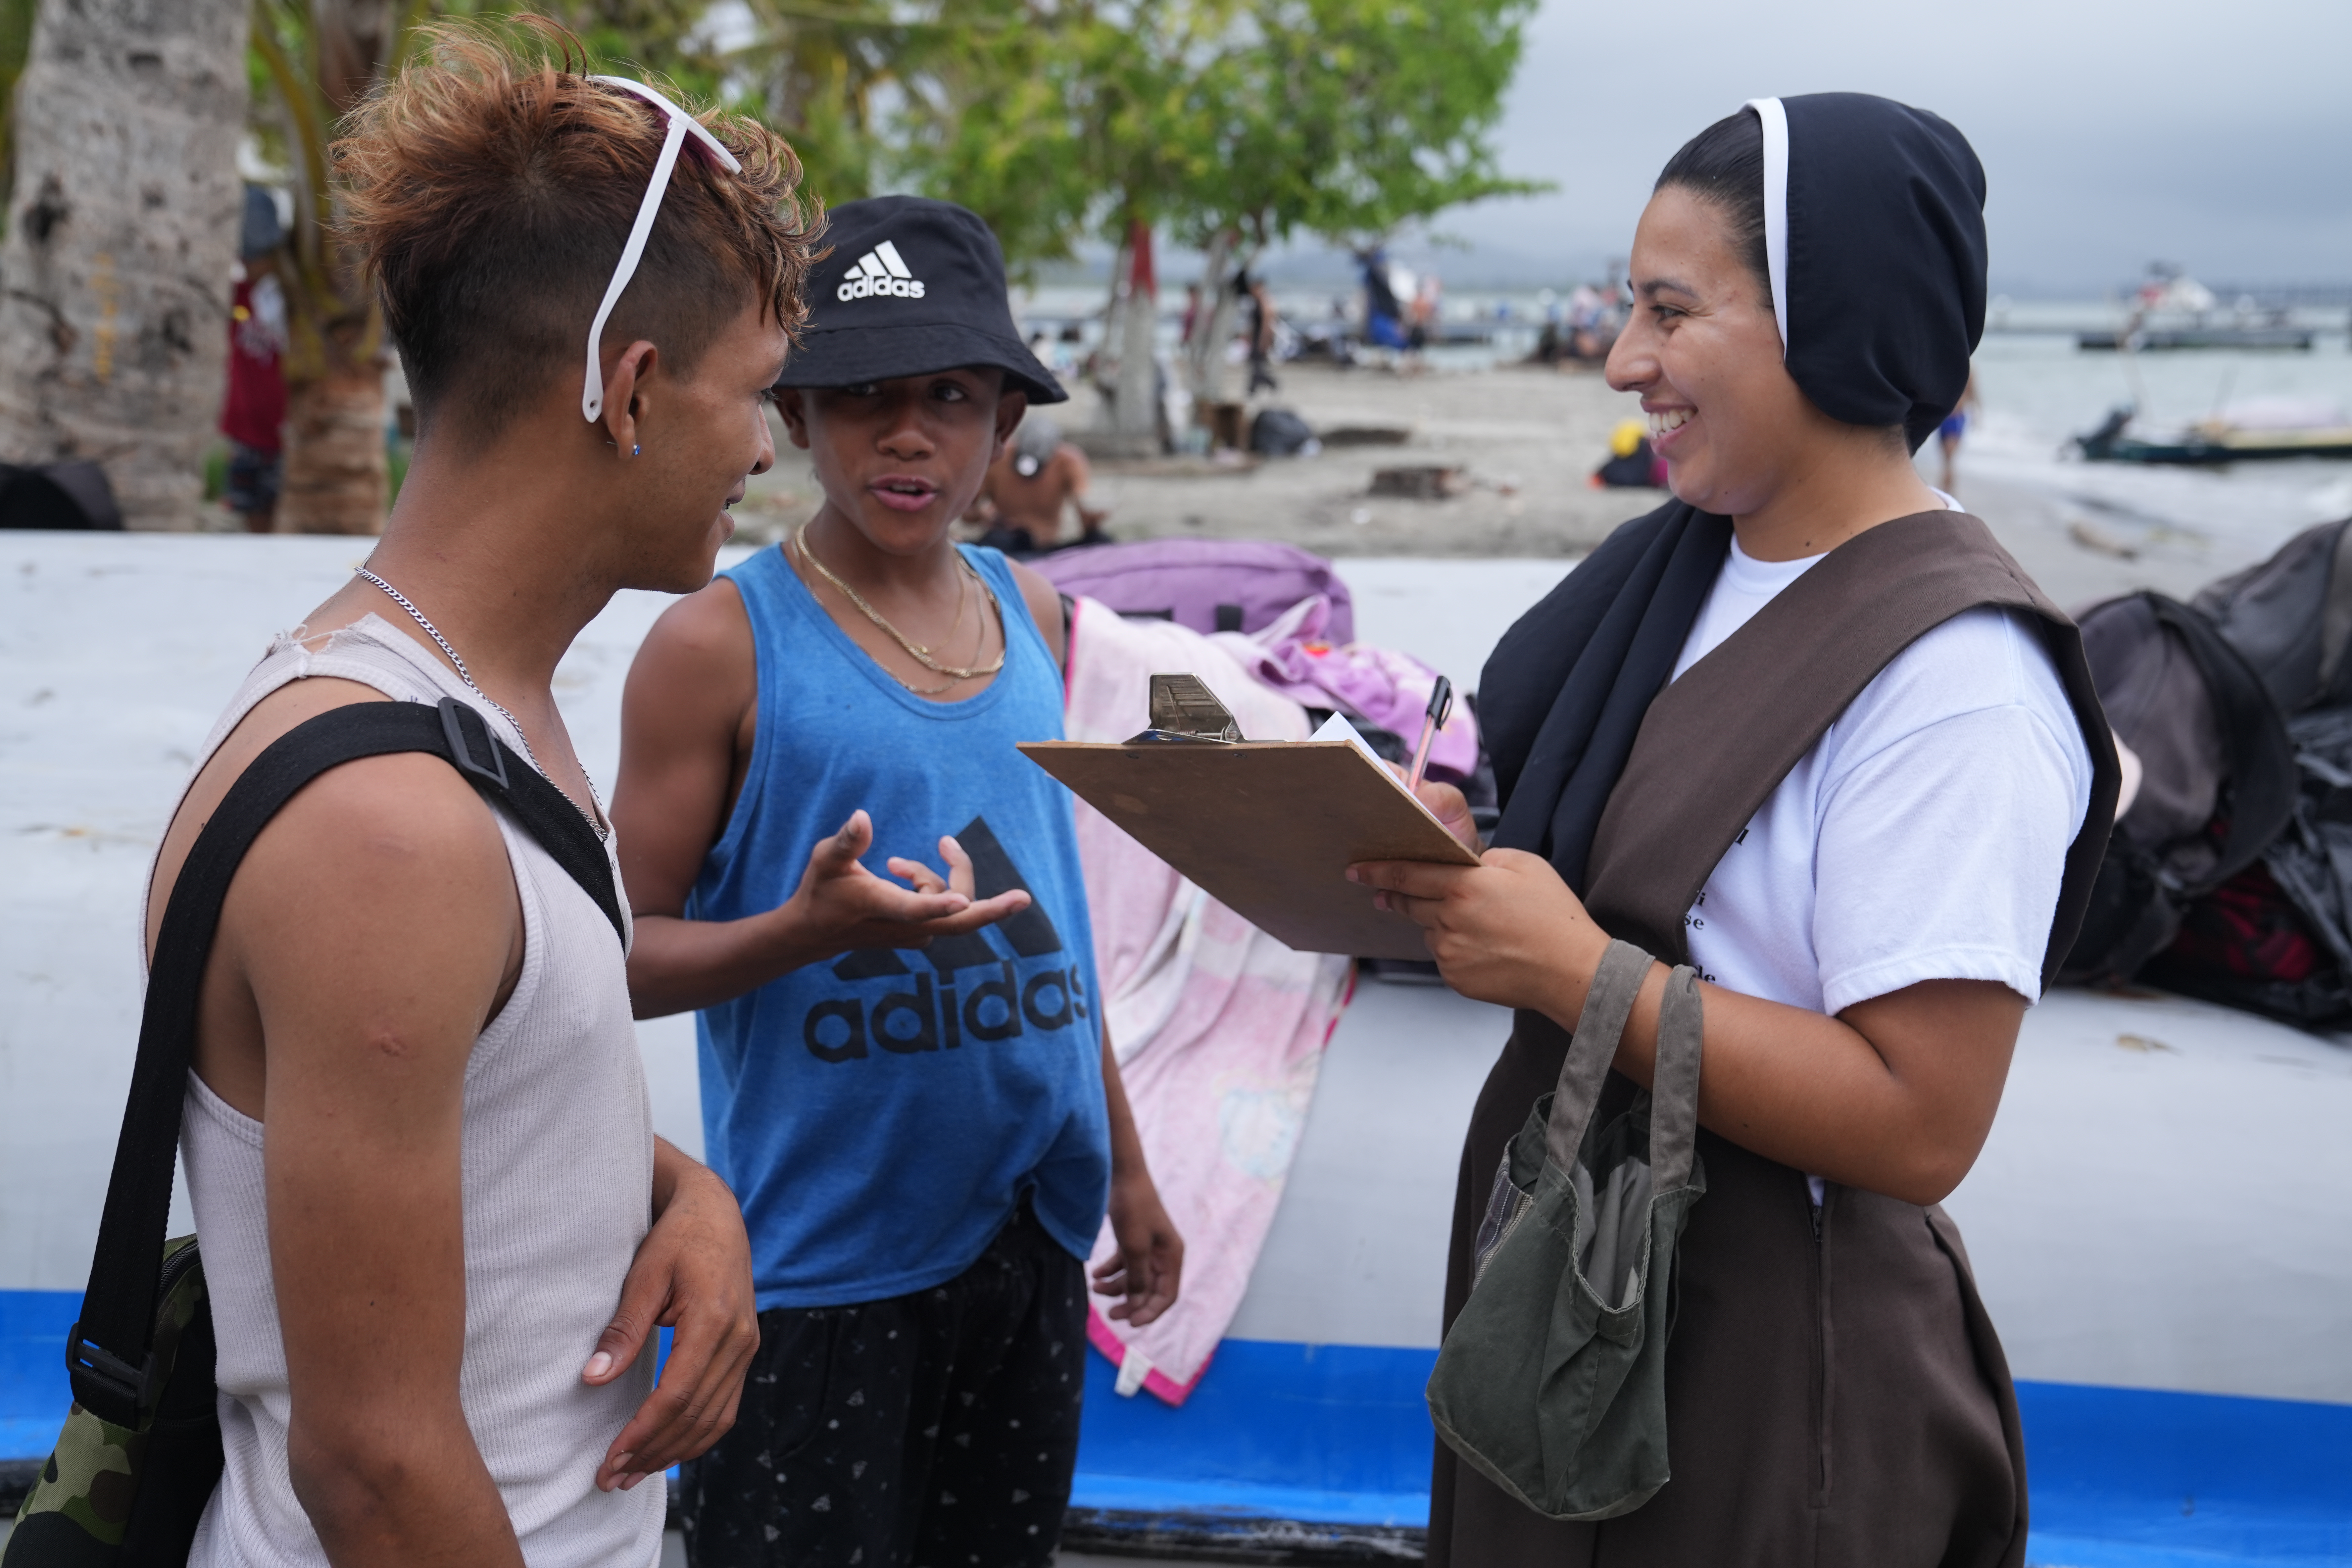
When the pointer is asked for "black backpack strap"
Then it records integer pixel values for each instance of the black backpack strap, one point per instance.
(109, 1354)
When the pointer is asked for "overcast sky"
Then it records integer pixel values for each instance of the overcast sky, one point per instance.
(2215, 135)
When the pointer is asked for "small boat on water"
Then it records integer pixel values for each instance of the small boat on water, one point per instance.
(2276, 427)
(2276, 335)
(2172, 310)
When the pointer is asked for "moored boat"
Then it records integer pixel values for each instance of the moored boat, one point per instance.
(2213, 442)
(2172, 310)
(2158, 1221)
(2159, 339)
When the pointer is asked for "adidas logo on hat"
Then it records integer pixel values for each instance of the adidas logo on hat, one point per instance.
(959, 315)
(880, 270)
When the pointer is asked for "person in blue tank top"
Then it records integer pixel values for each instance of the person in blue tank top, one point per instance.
(835, 852)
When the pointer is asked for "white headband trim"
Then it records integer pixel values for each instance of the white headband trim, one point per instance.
(592, 395)
(1775, 119)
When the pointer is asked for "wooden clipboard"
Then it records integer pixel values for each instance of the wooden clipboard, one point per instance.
(1267, 828)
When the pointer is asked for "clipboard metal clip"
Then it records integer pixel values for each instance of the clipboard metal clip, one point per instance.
(1184, 709)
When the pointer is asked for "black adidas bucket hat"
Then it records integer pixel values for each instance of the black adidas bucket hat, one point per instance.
(912, 285)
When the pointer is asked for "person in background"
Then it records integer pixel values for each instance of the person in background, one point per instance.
(253, 415)
(1632, 464)
(1383, 316)
(1191, 321)
(1031, 487)
(1955, 426)
(1428, 309)
(1261, 331)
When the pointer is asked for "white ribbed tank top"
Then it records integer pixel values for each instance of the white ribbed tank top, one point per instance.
(558, 1180)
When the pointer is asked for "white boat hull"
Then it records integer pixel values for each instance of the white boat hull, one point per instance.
(2160, 1224)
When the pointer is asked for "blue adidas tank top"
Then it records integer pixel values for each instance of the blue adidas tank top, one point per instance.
(881, 1115)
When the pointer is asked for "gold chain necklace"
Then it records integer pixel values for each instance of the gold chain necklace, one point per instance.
(918, 653)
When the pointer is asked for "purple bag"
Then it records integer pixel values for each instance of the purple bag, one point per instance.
(1208, 585)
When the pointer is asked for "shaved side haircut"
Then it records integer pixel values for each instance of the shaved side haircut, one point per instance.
(489, 189)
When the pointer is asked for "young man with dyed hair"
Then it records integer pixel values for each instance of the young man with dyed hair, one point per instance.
(438, 1228)
(905, 1075)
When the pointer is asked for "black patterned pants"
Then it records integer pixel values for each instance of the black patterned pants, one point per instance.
(933, 1430)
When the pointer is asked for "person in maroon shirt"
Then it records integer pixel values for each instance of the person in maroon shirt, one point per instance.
(254, 413)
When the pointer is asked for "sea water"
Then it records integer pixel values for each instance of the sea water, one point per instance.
(2037, 392)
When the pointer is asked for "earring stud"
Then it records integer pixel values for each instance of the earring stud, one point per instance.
(635, 449)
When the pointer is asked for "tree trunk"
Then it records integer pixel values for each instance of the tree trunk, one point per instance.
(1135, 408)
(15, 43)
(114, 276)
(354, 41)
(1103, 368)
(336, 471)
(337, 424)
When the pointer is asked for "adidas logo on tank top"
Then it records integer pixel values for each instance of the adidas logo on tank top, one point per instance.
(881, 270)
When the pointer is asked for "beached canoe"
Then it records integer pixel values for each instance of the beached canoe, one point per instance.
(2211, 446)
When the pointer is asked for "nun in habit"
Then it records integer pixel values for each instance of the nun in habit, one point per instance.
(1809, 728)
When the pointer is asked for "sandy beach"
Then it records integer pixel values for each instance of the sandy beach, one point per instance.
(1525, 440)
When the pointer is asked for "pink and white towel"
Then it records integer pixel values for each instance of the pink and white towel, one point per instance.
(1219, 1028)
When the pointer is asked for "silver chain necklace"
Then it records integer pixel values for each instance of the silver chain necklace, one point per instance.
(467, 677)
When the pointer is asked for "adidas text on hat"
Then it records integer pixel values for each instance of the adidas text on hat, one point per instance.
(880, 270)
(956, 315)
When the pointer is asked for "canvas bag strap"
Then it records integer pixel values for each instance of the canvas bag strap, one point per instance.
(1673, 1086)
(1608, 1003)
(108, 1354)
(1715, 745)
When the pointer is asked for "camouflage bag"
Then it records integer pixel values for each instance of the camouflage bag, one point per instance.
(140, 1452)
(132, 1494)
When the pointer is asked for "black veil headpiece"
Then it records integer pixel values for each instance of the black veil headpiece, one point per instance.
(1875, 238)
(1874, 227)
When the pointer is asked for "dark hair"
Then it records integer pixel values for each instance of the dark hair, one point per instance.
(1723, 164)
(489, 190)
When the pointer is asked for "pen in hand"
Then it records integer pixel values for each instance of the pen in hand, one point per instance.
(1441, 707)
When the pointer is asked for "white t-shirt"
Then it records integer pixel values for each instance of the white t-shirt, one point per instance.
(1924, 836)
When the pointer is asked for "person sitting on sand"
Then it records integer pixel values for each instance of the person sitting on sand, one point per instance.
(1034, 484)
(1632, 464)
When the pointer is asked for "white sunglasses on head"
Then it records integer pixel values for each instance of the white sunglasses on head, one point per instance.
(591, 396)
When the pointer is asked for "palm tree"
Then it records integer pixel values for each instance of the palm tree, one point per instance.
(322, 57)
(114, 274)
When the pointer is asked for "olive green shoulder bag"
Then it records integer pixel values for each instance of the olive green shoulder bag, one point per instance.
(1551, 1382)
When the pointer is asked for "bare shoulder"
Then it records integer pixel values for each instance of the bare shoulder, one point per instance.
(1044, 602)
(376, 874)
(405, 827)
(372, 826)
(708, 624)
(291, 705)
(699, 655)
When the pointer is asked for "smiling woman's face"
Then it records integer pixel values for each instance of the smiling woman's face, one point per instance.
(1704, 353)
